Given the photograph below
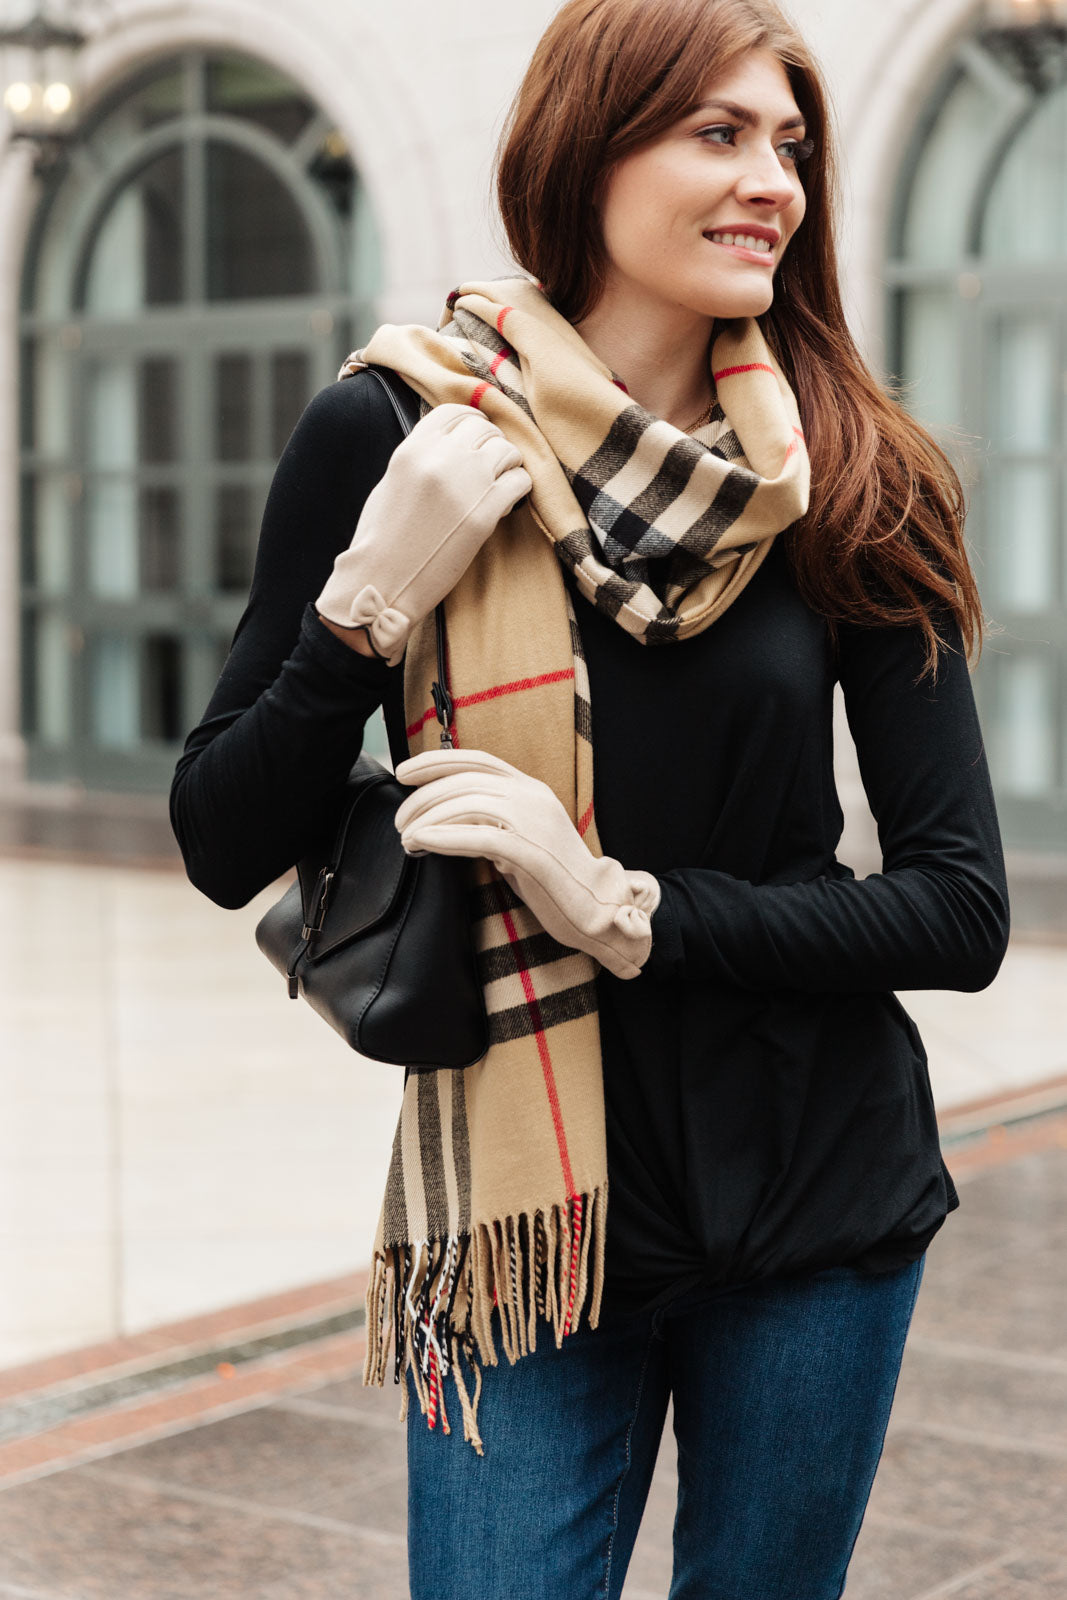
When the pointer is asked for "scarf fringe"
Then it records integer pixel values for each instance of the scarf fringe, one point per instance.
(539, 1267)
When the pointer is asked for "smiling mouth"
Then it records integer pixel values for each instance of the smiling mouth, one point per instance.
(764, 257)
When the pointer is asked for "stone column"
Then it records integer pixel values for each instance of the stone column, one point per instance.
(18, 194)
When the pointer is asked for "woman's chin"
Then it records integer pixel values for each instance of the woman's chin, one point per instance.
(721, 297)
(742, 300)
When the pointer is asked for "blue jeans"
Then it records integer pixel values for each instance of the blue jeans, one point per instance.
(782, 1392)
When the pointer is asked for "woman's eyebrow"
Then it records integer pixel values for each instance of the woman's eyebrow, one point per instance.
(749, 118)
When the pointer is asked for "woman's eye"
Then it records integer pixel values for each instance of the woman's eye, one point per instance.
(801, 149)
(722, 127)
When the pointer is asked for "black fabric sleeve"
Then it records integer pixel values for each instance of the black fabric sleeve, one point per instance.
(262, 773)
(935, 917)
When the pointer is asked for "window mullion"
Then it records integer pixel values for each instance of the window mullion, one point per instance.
(991, 75)
(195, 219)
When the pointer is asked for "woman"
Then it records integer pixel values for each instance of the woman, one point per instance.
(669, 507)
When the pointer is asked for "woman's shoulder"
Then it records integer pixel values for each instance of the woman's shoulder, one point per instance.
(350, 427)
(362, 398)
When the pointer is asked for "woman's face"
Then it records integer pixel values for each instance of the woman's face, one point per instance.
(714, 171)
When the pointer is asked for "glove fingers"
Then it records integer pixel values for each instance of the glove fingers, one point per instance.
(453, 839)
(451, 799)
(500, 450)
(431, 764)
(478, 432)
(441, 420)
(511, 486)
(513, 858)
(451, 415)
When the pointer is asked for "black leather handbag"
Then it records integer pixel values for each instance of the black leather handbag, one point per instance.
(377, 941)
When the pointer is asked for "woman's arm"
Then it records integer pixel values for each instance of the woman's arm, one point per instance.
(935, 917)
(264, 769)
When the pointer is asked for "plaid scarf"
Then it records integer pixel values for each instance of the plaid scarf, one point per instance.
(496, 1198)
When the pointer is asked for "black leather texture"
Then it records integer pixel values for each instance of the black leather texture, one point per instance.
(390, 963)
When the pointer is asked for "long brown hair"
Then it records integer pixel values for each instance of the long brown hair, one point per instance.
(882, 540)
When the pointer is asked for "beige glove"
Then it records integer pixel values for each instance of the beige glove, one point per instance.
(470, 803)
(445, 489)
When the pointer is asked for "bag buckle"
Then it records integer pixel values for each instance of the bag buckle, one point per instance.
(319, 899)
(442, 704)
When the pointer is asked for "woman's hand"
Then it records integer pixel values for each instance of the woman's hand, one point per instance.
(470, 803)
(445, 489)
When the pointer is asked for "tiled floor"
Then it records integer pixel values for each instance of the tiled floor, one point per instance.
(175, 1134)
(284, 1479)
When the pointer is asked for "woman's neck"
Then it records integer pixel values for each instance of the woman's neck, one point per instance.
(661, 353)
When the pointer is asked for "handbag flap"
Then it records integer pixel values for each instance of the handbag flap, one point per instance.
(371, 869)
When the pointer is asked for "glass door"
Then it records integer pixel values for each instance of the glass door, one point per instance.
(1018, 527)
(191, 283)
(178, 443)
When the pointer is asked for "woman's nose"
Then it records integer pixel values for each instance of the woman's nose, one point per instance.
(765, 179)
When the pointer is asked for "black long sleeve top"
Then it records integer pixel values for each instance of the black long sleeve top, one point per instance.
(767, 1096)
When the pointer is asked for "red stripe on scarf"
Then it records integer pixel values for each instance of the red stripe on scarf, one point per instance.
(534, 1008)
(431, 1411)
(575, 1208)
(794, 446)
(499, 361)
(749, 367)
(574, 1201)
(518, 687)
(437, 1396)
(500, 319)
(585, 819)
(476, 398)
(752, 366)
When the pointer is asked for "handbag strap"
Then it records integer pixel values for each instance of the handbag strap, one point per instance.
(442, 699)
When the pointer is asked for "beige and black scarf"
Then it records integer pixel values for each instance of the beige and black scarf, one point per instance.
(497, 1191)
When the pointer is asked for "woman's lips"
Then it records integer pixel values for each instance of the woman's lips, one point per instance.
(764, 257)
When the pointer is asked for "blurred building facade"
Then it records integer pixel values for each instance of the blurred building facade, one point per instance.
(246, 194)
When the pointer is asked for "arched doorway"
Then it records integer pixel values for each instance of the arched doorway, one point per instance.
(196, 273)
(978, 287)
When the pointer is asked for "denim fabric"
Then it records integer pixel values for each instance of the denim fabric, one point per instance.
(782, 1391)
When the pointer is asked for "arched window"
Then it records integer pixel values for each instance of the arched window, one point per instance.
(978, 277)
(196, 273)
